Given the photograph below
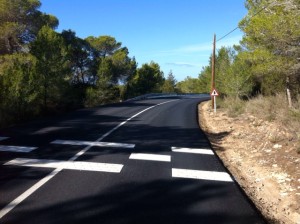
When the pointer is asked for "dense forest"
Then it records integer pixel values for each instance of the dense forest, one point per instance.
(44, 72)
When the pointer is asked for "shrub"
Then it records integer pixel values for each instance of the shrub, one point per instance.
(234, 106)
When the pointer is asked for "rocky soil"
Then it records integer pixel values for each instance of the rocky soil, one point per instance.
(263, 159)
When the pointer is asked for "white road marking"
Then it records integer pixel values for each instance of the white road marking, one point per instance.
(27, 193)
(193, 150)
(7, 148)
(115, 128)
(100, 144)
(3, 138)
(152, 157)
(203, 175)
(124, 122)
(49, 129)
(70, 165)
(39, 184)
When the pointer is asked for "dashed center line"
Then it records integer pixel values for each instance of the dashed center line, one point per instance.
(152, 157)
(193, 150)
(71, 165)
(7, 148)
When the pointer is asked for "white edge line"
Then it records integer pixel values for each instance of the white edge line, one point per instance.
(31, 190)
(202, 175)
(3, 138)
(193, 150)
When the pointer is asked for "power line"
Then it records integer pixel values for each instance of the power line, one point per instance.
(238, 27)
(227, 34)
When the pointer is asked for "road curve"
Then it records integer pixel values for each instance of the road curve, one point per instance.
(134, 162)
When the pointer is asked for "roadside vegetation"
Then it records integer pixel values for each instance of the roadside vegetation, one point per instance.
(259, 107)
(45, 72)
(261, 76)
(267, 109)
(267, 61)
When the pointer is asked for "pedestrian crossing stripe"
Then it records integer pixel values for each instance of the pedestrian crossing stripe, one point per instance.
(201, 175)
(70, 165)
(90, 143)
(116, 168)
(193, 150)
(10, 148)
(151, 157)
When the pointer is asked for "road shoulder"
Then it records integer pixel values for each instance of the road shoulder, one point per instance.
(268, 181)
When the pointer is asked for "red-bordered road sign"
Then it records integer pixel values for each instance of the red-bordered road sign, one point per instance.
(214, 93)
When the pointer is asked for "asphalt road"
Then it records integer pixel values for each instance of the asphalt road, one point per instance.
(134, 162)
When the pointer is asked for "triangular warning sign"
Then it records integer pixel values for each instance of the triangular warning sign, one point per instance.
(214, 93)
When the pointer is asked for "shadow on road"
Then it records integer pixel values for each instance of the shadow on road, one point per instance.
(158, 201)
(218, 138)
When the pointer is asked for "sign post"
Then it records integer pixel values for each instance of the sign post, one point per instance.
(214, 93)
(213, 69)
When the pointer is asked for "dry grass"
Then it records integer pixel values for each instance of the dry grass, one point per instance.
(275, 108)
(268, 174)
(234, 106)
(271, 109)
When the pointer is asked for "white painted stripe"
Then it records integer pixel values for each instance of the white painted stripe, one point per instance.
(124, 122)
(203, 175)
(193, 150)
(115, 128)
(7, 148)
(27, 193)
(70, 165)
(39, 184)
(100, 144)
(3, 138)
(152, 157)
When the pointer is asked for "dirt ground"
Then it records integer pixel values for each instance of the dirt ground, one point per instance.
(262, 158)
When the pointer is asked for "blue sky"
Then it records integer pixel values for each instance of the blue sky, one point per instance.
(177, 34)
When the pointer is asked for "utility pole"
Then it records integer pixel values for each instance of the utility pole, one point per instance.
(213, 70)
(288, 91)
